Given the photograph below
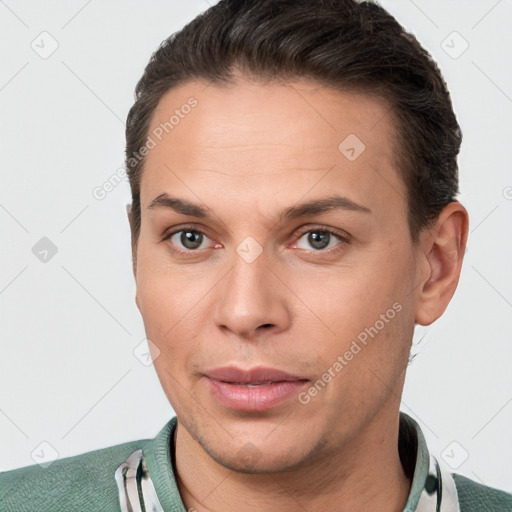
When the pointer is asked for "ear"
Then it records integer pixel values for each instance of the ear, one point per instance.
(442, 249)
(133, 239)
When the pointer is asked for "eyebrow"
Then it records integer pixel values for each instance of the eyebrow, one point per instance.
(313, 207)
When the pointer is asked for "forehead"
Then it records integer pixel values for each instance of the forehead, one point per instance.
(255, 139)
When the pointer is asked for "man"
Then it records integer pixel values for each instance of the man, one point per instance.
(293, 167)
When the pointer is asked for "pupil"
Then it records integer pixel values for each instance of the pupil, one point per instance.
(319, 239)
(191, 239)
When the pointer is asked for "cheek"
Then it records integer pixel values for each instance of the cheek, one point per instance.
(346, 301)
(166, 305)
(365, 315)
(167, 294)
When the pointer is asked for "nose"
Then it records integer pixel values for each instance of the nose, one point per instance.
(251, 300)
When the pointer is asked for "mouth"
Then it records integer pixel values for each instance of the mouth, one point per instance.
(255, 390)
(253, 384)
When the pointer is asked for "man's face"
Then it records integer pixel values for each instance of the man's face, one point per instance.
(248, 286)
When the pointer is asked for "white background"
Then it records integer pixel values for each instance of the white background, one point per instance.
(68, 328)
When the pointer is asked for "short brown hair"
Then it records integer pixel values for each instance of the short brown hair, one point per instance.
(345, 44)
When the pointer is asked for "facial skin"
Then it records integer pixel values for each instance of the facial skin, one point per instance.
(247, 152)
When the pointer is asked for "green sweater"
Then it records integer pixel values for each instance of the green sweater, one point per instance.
(87, 482)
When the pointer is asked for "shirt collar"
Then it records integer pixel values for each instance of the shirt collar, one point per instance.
(433, 488)
(148, 475)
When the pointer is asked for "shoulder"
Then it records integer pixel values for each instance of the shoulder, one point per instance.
(477, 497)
(80, 483)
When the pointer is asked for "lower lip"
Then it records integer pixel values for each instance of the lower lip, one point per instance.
(254, 399)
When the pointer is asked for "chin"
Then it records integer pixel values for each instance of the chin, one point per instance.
(257, 465)
(263, 456)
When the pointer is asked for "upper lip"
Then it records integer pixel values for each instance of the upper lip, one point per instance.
(237, 375)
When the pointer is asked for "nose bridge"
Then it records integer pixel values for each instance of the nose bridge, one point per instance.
(250, 296)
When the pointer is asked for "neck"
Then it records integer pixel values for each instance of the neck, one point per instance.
(366, 475)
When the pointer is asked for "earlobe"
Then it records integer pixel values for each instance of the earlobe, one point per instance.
(444, 248)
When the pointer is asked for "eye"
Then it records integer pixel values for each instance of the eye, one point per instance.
(190, 239)
(321, 240)
(187, 238)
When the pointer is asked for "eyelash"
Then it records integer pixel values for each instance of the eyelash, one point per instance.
(342, 236)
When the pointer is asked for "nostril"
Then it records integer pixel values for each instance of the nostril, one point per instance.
(266, 325)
